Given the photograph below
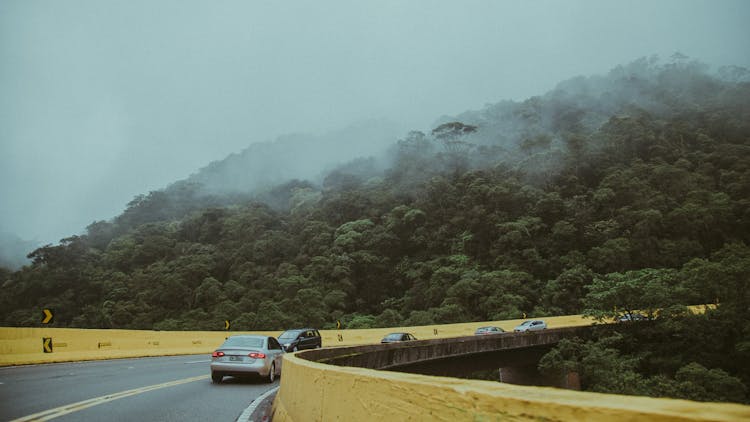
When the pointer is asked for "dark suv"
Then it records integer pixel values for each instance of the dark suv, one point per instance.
(300, 339)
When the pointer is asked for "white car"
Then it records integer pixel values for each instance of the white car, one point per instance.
(531, 325)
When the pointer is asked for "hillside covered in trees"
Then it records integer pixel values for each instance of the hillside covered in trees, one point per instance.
(629, 191)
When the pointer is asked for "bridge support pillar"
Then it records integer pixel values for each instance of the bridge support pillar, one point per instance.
(529, 375)
(520, 375)
(572, 381)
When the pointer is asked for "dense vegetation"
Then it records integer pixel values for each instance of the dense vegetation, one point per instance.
(619, 192)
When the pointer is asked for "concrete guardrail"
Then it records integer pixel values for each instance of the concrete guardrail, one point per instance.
(20, 345)
(314, 391)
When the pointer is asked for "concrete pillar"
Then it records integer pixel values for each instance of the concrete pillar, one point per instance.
(520, 375)
(572, 381)
(530, 375)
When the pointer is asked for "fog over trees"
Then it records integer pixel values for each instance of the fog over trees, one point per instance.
(609, 193)
(105, 101)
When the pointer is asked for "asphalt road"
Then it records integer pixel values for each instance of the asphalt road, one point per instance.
(174, 388)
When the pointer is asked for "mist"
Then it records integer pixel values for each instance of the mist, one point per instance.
(103, 101)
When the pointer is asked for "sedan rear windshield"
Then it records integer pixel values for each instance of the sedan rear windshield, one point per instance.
(243, 342)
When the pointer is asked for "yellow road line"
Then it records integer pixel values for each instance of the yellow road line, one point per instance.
(74, 407)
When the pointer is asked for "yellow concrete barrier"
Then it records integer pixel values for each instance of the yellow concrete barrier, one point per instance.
(312, 391)
(374, 335)
(19, 346)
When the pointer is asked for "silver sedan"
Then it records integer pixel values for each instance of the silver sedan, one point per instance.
(483, 331)
(531, 325)
(247, 355)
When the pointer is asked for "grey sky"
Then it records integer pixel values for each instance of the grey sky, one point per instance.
(104, 100)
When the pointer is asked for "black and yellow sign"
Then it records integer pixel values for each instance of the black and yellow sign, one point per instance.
(226, 324)
(434, 331)
(340, 337)
(338, 324)
(47, 316)
(47, 344)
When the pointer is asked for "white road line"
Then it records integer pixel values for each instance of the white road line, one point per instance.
(198, 361)
(74, 407)
(245, 416)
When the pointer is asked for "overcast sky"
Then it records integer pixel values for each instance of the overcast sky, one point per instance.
(103, 100)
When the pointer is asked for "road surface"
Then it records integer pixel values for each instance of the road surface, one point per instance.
(175, 388)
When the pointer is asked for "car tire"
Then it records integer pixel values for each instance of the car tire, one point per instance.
(216, 378)
(272, 373)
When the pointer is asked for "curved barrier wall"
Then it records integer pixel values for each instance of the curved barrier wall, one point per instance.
(313, 391)
(19, 346)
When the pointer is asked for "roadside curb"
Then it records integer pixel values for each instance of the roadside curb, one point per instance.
(260, 409)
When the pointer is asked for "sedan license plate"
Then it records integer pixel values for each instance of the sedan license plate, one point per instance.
(235, 358)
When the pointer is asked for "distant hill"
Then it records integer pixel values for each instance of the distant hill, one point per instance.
(13, 250)
(304, 157)
(266, 171)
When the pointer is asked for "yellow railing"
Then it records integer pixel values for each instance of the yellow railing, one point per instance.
(312, 391)
(20, 346)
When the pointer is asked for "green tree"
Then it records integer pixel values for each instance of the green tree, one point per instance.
(646, 291)
(452, 135)
(600, 366)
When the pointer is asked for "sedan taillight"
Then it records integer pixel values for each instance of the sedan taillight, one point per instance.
(257, 355)
(217, 354)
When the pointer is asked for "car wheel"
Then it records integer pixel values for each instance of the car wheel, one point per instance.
(272, 373)
(216, 378)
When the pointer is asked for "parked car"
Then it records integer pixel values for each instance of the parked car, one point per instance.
(398, 337)
(247, 355)
(483, 331)
(634, 316)
(300, 339)
(531, 325)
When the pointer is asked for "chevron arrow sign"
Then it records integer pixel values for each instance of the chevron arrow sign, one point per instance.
(47, 316)
(47, 344)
